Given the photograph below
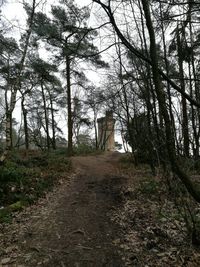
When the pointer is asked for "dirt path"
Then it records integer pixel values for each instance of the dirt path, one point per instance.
(107, 214)
(72, 226)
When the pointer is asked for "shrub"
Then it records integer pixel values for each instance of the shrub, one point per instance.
(26, 177)
(84, 149)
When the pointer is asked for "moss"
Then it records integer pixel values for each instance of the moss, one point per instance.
(16, 206)
(6, 213)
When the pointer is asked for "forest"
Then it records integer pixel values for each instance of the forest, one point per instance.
(64, 64)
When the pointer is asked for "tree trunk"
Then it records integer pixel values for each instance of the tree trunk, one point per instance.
(125, 100)
(195, 112)
(95, 129)
(185, 132)
(151, 95)
(69, 107)
(9, 143)
(10, 105)
(45, 116)
(26, 134)
(53, 124)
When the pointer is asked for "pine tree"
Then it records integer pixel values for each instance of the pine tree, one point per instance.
(68, 33)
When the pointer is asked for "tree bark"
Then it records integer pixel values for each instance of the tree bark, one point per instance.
(9, 143)
(45, 116)
(69, 107)
(95, 128)
(53, 124)
(185, 132)
(26, 134)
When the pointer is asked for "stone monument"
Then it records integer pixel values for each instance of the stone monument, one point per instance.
(106, 140)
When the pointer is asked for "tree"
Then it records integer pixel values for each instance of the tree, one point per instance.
(50, 87)
(158, 75)
(13, 81)
(68, 33)
(9, 72)
(94, 103)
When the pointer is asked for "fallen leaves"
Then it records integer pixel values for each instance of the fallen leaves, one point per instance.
(16, 234)
(152, 233)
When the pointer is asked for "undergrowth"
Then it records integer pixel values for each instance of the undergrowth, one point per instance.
(25, 177)
(83, 149)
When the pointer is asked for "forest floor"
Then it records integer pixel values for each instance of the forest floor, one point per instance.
(102, 214)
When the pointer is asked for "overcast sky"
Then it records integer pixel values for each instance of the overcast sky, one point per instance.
(15, 16)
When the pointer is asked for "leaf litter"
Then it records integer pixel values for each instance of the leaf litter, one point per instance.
(152, 232)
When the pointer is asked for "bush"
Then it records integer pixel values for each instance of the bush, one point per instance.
(11, 172)
(25, 178)
(84, 149)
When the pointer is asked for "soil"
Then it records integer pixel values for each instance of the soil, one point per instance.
(71, 226)
(102, 215)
